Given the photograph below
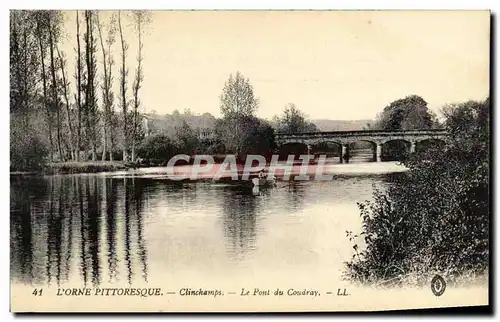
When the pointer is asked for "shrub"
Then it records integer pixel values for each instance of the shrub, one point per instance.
(28, 151)
(434, 217)
(157, 147)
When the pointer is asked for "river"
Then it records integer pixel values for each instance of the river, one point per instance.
(116, 229)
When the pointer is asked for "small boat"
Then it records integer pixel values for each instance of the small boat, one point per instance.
(263, 182)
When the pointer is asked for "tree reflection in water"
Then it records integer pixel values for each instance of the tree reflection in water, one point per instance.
(239, 208)
(63, 221)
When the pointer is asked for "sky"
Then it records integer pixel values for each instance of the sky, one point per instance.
(342, 65)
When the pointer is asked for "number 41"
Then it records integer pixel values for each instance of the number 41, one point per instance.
(37, 292)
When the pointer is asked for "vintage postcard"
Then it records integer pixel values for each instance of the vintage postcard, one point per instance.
(249, 161)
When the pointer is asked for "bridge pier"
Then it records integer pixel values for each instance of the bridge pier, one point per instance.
(412, 146)
(378, 152)
(344, 156)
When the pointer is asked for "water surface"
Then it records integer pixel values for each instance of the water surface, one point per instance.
(95, 229)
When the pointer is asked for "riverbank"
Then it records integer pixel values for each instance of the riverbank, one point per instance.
(120, 166)
(84, 167)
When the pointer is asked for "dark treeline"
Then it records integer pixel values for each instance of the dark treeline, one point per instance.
(62, 115)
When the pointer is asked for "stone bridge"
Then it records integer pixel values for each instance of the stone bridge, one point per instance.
(377, 138)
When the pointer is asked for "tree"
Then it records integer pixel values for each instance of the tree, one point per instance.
(41, 18)
(187, 112)
(157, 147)
(91, 108)
(186, 139)
(254, 136)
(237, 98)
(141, 19)
(24, 59)
(31, 95)
(79, 75)
(231, 133)
(237, 104)
(293, 121)
(176, 114)
(45, 31)
(107, 83)
(54, 20)
(260, 138)
(409, 113)
(65, 89)
(123, 87)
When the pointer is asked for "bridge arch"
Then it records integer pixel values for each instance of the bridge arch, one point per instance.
(329, 148)
(294, 147)
(328, 141)
(396, 149)
(404, 140)
(346, 149)
(362, 150)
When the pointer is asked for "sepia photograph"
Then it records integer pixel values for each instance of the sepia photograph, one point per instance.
(249, 160)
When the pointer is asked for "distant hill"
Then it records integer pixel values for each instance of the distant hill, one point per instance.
(168, 122)
(341, 125)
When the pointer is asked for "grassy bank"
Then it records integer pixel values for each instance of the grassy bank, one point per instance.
(84, 167)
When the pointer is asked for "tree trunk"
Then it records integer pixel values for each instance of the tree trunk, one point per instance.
(123, 90)
(105, 94)
(79, 89)
(89, 92)
(137, 86)
(95, 118)
(68, 112)
(87, 88)
(55, 99)
(44, 88)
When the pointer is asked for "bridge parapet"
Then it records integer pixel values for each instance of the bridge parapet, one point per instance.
(347, 137)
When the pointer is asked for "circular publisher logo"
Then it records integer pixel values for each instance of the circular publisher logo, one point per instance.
(438, 285)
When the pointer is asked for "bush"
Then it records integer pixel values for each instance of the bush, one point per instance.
(157, 147)
(211, 148)
(245, 135)
(83, 167)
(435, 217)
(185, 139)
(28, 151)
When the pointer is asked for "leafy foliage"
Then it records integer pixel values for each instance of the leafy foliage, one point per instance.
(239, 130)
(237, 98)
(435, 217)
(28, 149)
(245, 135)
(293, 120)
(408, 113)
(157, 147)
(259, 137)
(186, 139)
(24, 61)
